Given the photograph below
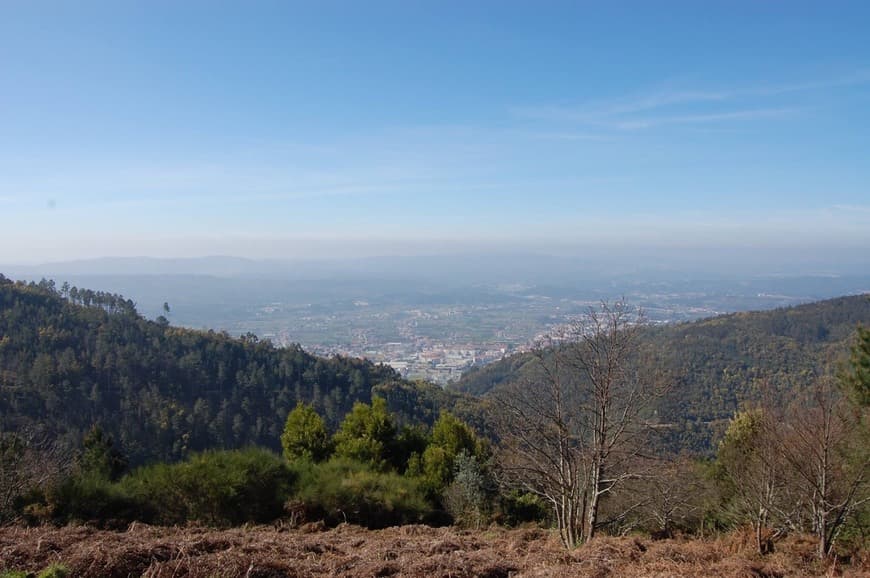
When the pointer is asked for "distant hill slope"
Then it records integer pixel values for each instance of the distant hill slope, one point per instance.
(72, 358)
(719, 363)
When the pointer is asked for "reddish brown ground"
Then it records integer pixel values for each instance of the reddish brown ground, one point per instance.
(403, 551)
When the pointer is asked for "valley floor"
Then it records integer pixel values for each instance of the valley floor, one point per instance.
(403, 551)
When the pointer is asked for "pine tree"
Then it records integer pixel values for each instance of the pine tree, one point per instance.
(99, 457)
(305, 436)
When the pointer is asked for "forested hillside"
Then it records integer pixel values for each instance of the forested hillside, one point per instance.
(73, 358)
(716, 365)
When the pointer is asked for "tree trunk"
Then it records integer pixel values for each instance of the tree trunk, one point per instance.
(594, 495)
(568, 520)
(823, 539)
(758, 547)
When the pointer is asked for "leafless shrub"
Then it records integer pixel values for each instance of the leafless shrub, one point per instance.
(28, 461)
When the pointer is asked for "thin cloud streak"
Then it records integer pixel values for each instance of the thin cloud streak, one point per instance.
(616, 114)
(410, 186)
(857, 78)
(750, 114)
(602, 114)
(853, 208)
(565, 136)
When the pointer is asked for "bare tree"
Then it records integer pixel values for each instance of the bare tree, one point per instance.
(574, 429)
(540, 451)
(828, 460)
(27, 460)
(675, 496)
(752, 463)
(802, 468)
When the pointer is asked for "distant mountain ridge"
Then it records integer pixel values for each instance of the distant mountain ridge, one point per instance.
(494, 266)
(215, 265)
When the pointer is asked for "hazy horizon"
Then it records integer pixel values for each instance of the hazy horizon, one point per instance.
(483, 266)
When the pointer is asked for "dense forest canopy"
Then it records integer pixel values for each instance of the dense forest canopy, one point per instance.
(71, 358)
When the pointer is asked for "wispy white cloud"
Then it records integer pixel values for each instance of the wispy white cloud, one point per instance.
(853, 208)
(604, 113)
(624, 122)
(748, 114)
(565, 136)
(661, 107)
(855, 78)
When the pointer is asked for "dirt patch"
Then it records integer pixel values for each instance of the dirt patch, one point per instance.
(413, 551)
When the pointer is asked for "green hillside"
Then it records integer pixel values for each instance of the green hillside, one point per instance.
(72, 358)
(715, 365)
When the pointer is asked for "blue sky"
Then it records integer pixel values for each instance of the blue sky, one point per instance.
(270, 129)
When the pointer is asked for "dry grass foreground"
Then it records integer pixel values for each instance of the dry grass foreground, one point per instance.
(403, 551)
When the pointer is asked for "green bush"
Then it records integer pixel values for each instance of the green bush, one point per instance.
(343, 490)
(220, 488)
(94, 499)
(854, 540)
(519, 508)
(469, 496)
(54, 571)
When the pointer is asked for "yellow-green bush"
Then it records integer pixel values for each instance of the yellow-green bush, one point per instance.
(343, 490)
(215, 487)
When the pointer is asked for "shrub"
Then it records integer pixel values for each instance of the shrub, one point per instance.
(343, 490)
(215, 487)
(94, 499)
(519, 508)
(54, 571)
(467, 497)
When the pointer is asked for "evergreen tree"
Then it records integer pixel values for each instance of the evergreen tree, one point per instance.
(305, 436)
(857, 377)
(450, 438)
(99, 457)
(466, 498)
(367, 434)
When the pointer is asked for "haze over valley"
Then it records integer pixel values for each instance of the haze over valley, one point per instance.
(432, 316)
